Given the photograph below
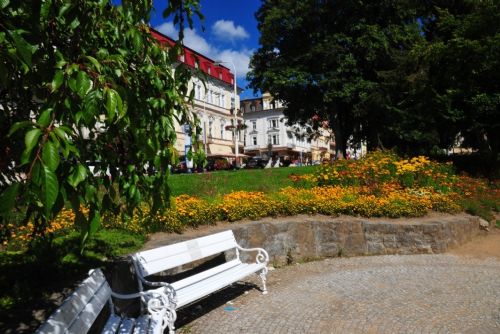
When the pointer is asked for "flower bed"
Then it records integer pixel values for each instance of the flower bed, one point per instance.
(379, 185)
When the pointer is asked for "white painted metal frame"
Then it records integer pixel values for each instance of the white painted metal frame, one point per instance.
(190, 289)
(80, 310)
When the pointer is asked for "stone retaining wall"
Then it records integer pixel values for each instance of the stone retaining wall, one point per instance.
(302, 238)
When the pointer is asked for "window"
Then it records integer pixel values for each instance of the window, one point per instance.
(209, 96)
(210, 125)
(254, 125)
(182, 58)
(197, 91)
(273, 123)
(254, 140)
(222, 125)
(252, 108)
(221, 100)
(273, 139)
(209, 70)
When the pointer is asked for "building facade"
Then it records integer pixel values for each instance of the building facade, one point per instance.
(214, 104)
(267, 134)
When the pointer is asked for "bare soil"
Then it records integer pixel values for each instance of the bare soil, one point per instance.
(483, 246)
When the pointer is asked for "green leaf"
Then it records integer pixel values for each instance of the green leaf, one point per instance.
(94, 62)
(57, 80)
(44, 119)
(23, 48)
(50, 156)
(75, 23)
(8, 199)
(31, 140)
(79, 174)
(83, 84)
(4, 3)
(18, 125)
(50, 189)
(111, 103)
(95, 222)
(64, 9)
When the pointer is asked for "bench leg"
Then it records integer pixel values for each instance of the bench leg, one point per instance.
(172, 316)
(263, 277)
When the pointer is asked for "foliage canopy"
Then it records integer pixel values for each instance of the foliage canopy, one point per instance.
(84, 83)
(407, 74)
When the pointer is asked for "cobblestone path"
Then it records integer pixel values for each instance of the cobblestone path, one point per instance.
(379, 294)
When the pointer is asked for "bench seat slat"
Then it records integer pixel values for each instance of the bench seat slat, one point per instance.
(167, 257)
(205, 274)
(112, 324)
(127, 326)
(214, 283)
(76, 303)
(142, 325)
(88, 315)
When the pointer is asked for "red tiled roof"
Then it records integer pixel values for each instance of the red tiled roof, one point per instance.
(205, 64)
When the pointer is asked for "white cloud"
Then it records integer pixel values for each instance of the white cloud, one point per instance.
(227, 30)
(240, 58)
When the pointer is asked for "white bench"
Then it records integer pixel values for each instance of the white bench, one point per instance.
(188, 290)
(80, 310)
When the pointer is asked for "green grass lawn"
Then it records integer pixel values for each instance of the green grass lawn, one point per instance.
(214, 184)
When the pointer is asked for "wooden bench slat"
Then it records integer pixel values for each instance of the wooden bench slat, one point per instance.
(127, 326)
(142, 325)
(76, 303)
(167, 257)
(212, 284)
(112, 324)
(88, 315)
(205, 274)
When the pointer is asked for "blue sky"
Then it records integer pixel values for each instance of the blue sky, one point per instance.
(230, 32)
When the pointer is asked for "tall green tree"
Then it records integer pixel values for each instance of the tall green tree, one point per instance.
(84, 82)
(463, 54)
(323, 58)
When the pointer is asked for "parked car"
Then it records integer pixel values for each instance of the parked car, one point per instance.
(256, 163)
(217, 163)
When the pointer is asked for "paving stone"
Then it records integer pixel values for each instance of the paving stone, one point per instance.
(379, 294)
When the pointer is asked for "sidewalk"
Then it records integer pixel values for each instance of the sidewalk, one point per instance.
(445, 293)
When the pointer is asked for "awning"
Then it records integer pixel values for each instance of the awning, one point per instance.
(221, 150)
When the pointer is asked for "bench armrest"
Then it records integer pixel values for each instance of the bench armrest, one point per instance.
(156, 300)
(169, 290)
(262, 256)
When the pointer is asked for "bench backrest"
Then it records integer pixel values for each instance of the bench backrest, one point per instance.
(156, 260)
(79, 311)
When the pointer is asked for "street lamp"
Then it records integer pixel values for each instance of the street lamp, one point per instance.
(236, 146)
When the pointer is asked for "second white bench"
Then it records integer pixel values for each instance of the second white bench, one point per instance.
(193, 288)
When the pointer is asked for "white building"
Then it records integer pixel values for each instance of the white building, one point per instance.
(267, 134)
(213, 103)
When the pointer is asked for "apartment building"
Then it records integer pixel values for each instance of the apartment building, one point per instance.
(267, 134)
(214, 103)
